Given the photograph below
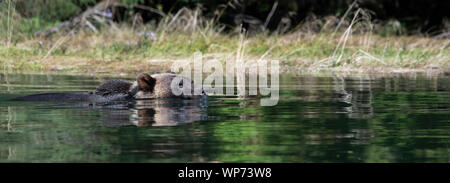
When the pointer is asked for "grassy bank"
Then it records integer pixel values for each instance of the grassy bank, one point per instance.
(126, 50)
(347, 43)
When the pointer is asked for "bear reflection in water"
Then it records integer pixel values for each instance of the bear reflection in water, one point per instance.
(157, 112)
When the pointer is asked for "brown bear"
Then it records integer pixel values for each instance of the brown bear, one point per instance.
(145, 87)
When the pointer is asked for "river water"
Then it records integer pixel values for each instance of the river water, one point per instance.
(327, 117)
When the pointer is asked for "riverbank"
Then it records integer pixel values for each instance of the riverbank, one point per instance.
(126, 50)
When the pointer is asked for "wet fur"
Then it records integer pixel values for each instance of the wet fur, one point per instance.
(145, 87)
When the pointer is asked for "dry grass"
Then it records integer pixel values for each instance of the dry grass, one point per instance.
(330, 43)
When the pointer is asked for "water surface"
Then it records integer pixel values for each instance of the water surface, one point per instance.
(320, 118)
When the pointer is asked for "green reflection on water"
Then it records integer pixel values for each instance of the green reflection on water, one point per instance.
(328, 118)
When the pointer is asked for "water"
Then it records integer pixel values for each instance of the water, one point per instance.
(327, 118)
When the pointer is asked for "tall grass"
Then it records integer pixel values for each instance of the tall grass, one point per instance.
(352, 41)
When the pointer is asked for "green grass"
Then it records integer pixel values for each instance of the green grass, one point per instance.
(125, 49)
(303, 51)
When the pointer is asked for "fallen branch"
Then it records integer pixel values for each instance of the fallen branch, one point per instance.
(274, 7)
(138, 6)
(81, 19)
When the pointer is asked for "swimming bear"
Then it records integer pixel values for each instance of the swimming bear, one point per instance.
(145, 87)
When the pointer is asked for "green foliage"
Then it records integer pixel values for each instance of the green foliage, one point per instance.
(399, 15)
(55, 10)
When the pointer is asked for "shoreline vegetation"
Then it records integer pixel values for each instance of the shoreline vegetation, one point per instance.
(351, 42)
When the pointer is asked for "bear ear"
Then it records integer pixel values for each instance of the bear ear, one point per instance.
(145, 82)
